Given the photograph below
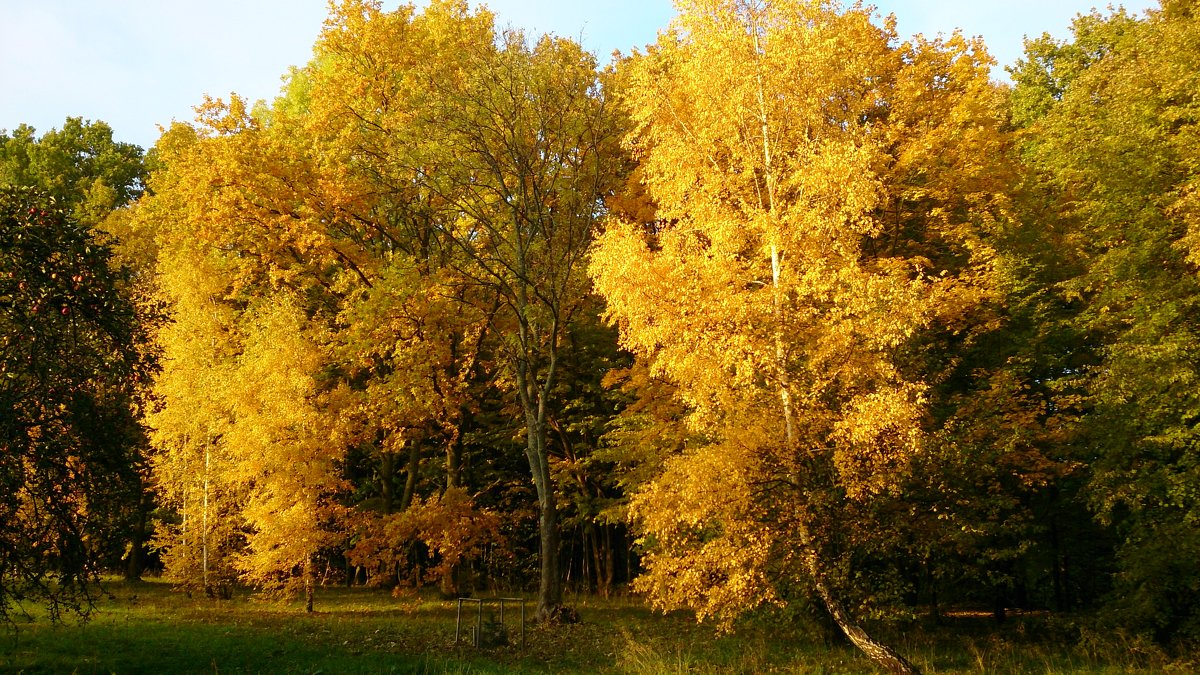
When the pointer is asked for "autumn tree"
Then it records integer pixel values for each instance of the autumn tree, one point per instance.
(284, 200)
(535, 138)
(798, 255)
(410, 341)
(286, 449)
(92, 177)
(485, 158)
(245, 454)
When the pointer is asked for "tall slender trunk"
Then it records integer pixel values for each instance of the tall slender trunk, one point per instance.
(204, 524)
(550, 583)
(534, 393)
(877, 651)
(610, 561)
(309, 584)
(593, 558)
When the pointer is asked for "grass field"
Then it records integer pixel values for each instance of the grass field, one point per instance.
(146, 628)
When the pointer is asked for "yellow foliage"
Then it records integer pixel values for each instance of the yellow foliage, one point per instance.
(820, 195)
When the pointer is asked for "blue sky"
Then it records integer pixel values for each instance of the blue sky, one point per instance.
(139, 63)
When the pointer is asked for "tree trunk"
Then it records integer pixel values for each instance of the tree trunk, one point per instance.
(597, 560)
(935, 612)
(137, 541)
(309, 584)
(610, 561)
(410, 480)
(533, 395)
(883, 655)
(586, 551)
(550, 584)
(602, 557)
(454, 450)
(387, 482)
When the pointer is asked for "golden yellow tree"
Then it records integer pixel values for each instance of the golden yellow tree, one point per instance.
(425, 185)
(190, 414)
(803, 242)
(246, 449)
(285, 451)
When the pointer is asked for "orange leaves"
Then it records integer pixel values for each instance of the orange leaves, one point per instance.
(450, 525)
(710, 545)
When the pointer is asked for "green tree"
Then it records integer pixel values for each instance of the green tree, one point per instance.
(80, 165)
(1112, 129)
(69, 364)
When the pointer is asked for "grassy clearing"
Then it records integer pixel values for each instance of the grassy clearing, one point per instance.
(146, 628)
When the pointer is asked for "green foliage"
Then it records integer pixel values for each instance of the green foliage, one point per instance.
(80, 166)
(1115, 141)
(69, 364)
(1051, 66)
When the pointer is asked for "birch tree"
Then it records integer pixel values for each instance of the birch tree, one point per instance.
(792, 264)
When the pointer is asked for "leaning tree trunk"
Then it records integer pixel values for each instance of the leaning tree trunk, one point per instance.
(883, 655)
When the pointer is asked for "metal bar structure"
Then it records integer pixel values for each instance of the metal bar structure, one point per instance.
(477, 634)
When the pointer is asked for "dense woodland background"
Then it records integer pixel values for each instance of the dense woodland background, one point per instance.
(785, 314)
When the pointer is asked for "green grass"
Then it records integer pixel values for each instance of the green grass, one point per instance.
(146, 628)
